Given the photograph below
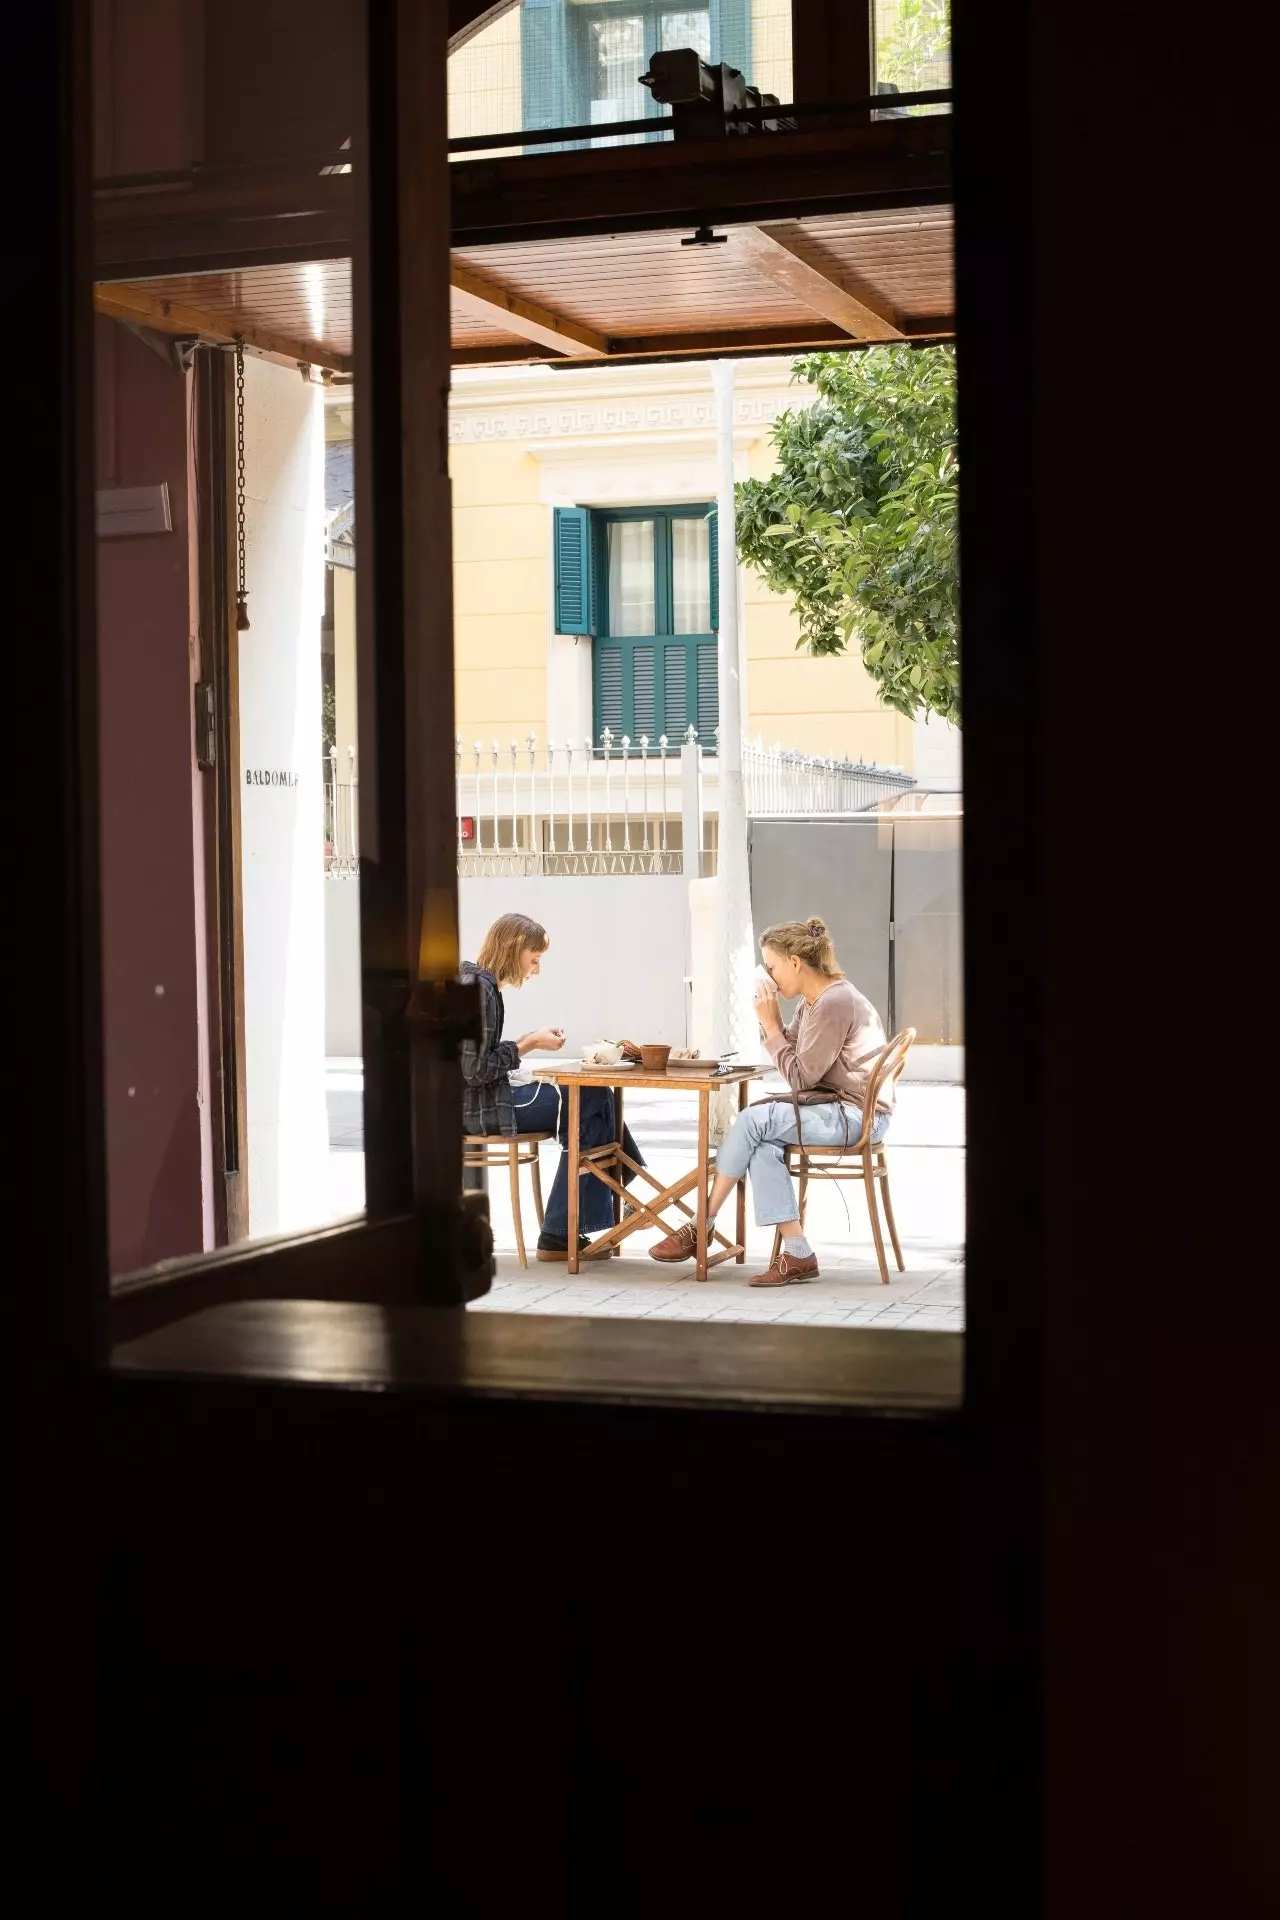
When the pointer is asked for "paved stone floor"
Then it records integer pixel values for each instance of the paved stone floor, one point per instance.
(926, 1162)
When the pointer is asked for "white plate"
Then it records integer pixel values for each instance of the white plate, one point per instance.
(577, 1066)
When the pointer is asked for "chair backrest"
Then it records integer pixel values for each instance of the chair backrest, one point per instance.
(885, 1073)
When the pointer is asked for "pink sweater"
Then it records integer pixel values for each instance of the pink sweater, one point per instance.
(835, 1043)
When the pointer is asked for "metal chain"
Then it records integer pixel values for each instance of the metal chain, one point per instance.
(242, 588)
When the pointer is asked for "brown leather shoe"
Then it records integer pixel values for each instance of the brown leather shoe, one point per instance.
(680, 1245)
(787, 1272)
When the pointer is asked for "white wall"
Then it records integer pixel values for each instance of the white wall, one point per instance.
(282, 825)
(343, 1037)
(938, 763)
(617, 961)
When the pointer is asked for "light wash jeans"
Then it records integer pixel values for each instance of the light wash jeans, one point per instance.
(754, 1146)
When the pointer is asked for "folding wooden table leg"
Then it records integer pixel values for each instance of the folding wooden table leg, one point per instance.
(704, 1140)
(575, 1116)
(741, 1235)
(617, 1129)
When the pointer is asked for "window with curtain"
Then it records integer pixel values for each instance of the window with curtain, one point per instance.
(581, 60)
(642, 582)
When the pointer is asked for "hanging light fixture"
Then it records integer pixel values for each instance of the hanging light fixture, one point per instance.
(242, 589)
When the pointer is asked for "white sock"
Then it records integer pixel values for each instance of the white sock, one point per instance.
(798, 1249)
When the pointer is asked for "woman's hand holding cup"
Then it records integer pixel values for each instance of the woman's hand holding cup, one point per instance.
(766, 1001)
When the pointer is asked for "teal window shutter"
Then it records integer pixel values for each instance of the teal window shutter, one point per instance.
(708, 693)
(575, 597)
(713, 522)
(610, 692)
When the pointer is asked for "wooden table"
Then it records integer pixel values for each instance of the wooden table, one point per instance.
(609, 1162)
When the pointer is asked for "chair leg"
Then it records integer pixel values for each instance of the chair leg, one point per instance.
(888, 1214)
(869, 1185)
(777, 1246)
(513, 1164)
(535, 1175)
(804, 1192)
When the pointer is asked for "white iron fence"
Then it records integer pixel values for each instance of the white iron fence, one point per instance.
(620, 807)
(341, 817)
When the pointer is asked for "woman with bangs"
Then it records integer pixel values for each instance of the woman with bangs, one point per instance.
(501, 1096)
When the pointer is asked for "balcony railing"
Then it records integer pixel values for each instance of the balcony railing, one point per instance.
(619, 806)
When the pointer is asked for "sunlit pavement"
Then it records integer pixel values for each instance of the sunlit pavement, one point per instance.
(926, 1166)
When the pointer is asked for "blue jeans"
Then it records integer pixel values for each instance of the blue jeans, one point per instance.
(754, 1145)
(543, 1108)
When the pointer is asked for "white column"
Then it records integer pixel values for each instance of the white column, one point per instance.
(691, 807)
(281, 804)
(736, 1027)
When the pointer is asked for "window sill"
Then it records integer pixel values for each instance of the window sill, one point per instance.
(445, 1351)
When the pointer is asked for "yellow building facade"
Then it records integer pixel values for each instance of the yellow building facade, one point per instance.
(527, 440)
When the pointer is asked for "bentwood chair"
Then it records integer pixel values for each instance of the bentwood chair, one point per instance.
(863, 1159)
(493, 1152)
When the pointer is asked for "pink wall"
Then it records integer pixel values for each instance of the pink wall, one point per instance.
(152, 934)
(178, 82)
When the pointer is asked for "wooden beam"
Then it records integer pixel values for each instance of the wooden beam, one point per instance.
(236, 217)
(491, 301)
(529, 354)
(843, 169)
(852, 302)
(831, 50)
(738, 341)
(139, 304)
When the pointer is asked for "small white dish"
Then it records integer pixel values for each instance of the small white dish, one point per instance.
(579, 1066)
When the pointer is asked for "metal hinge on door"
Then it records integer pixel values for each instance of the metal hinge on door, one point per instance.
(206, 736)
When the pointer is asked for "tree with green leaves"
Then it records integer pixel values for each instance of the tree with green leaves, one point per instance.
(913, 45)
(857, 527)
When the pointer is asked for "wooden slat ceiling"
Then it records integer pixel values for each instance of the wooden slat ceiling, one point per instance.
(616, 296)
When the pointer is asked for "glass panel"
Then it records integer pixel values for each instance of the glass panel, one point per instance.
(689, 28)
(690, 576)
(631, 608)
(559, 63)
(912, 48)
(615, 61)
(231, 853)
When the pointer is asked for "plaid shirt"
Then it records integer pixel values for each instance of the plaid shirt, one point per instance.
(487, 1103)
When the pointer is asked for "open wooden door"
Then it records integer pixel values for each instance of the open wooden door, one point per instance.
(420, 1240)
(217, 725)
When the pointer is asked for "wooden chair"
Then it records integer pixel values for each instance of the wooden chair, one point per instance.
(493, 1152)
(863, 1159)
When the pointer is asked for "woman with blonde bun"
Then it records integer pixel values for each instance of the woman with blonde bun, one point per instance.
(825, 1054)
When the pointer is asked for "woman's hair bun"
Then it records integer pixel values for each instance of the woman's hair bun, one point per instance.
(816, 927)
